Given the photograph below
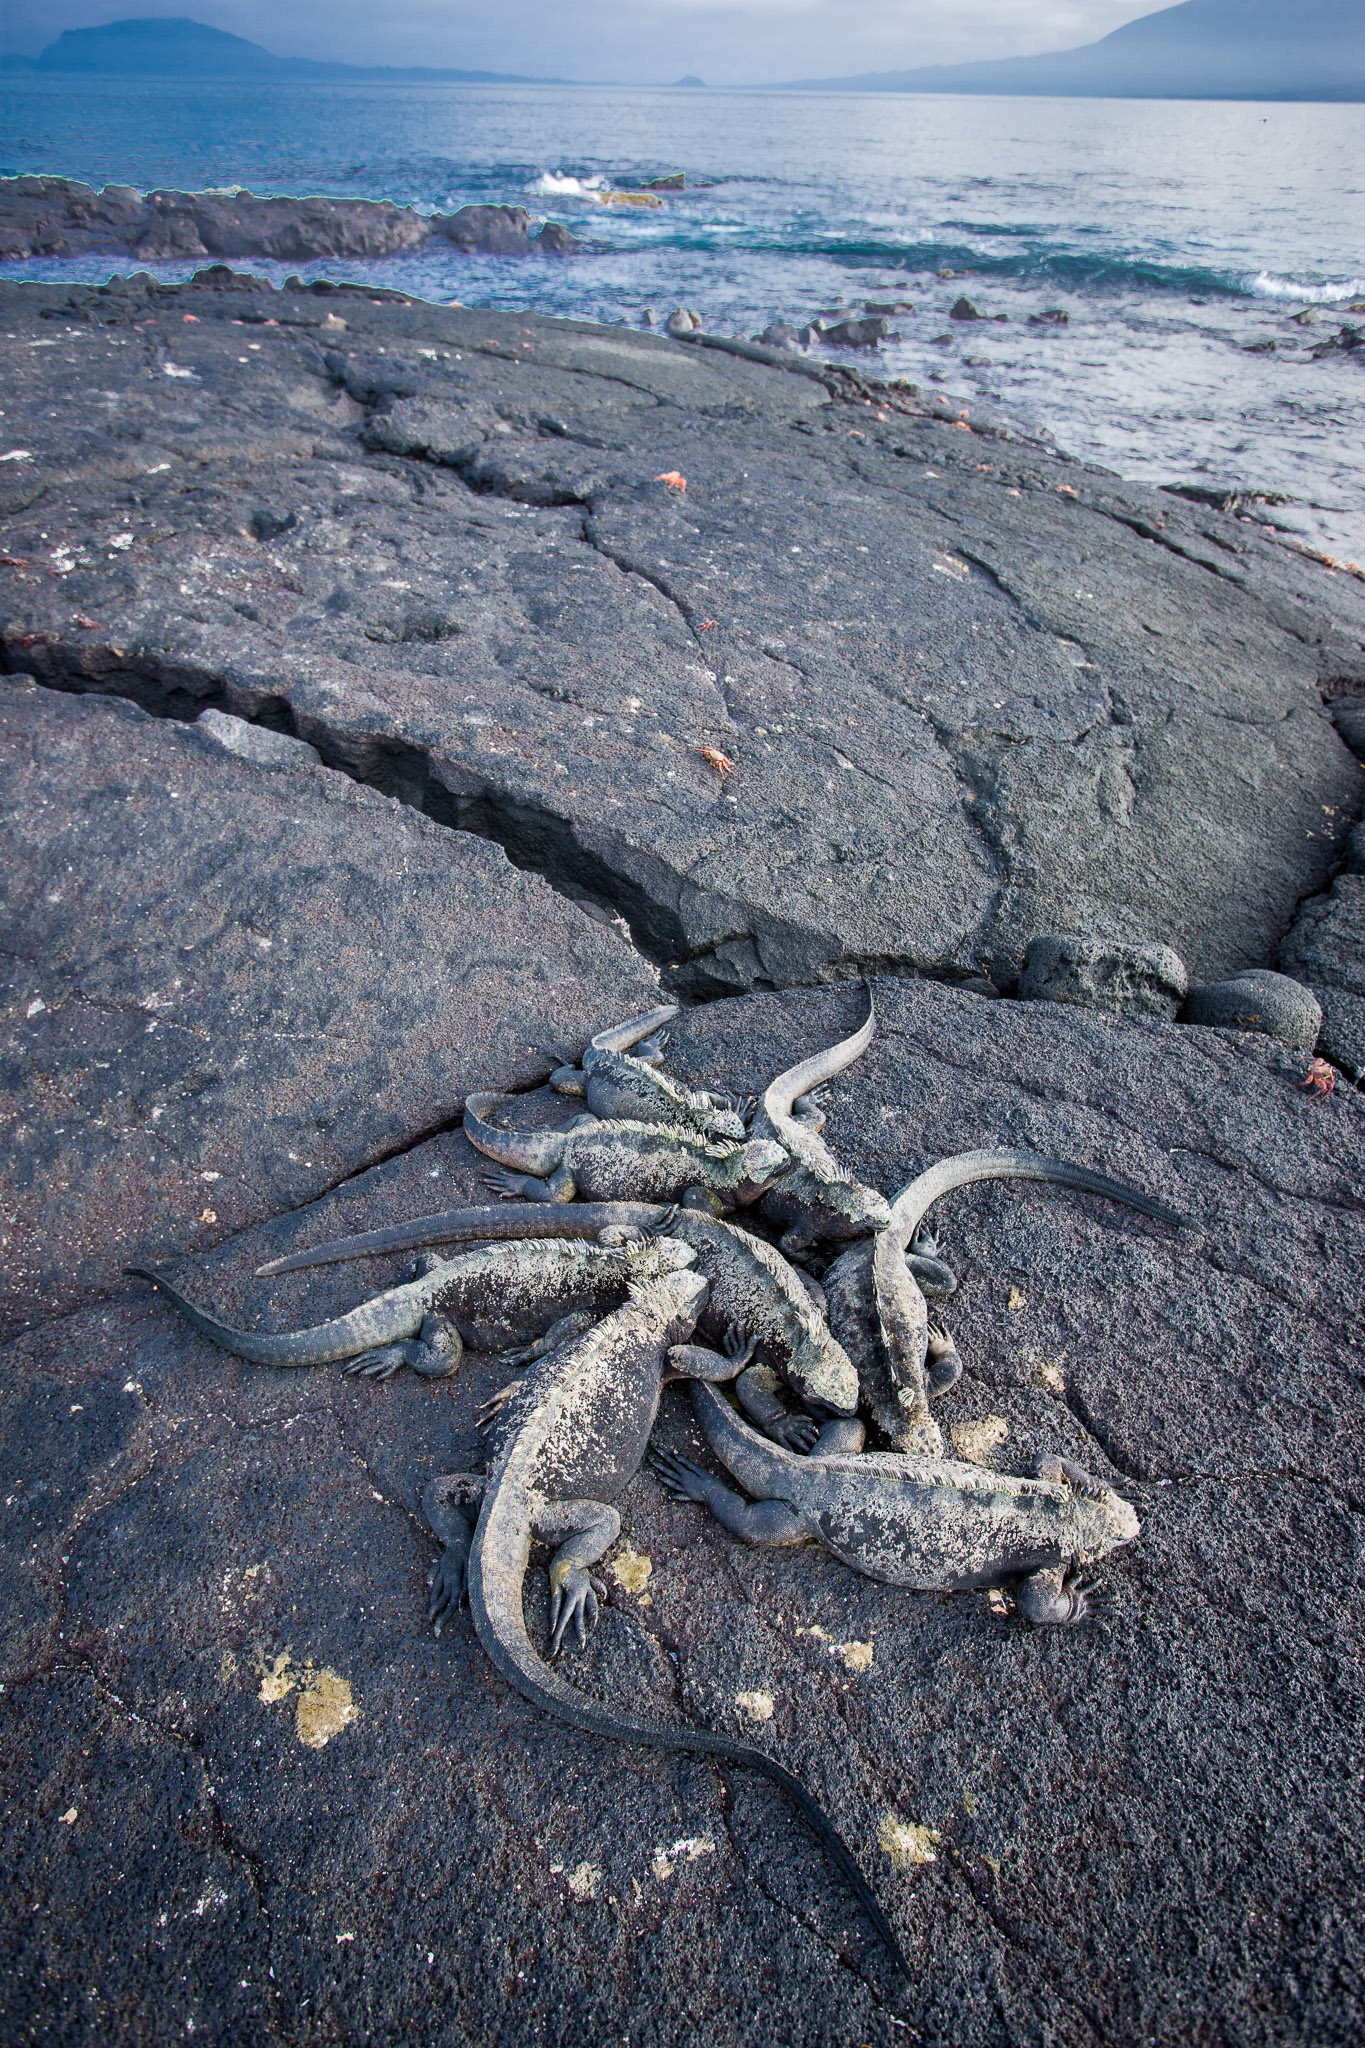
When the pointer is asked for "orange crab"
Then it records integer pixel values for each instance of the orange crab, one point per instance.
(675, 480)
(714, 758)
(1320, 1079)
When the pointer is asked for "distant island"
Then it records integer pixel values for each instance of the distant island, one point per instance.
(175, 47)
(1204, 49)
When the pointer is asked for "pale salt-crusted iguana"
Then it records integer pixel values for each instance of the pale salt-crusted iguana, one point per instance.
(623, 1161)
(564, 1447)
(931, 1524)
(619, 1086)
(501, 1294)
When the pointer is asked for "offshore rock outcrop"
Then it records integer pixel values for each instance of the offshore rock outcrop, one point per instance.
(61, 217)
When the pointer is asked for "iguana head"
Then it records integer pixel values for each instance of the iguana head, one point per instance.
(675, 1300)
(744, 1171)
(822, 1371)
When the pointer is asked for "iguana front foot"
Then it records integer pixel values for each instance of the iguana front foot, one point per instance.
(576, 1598)
(526, 1187)
(1066, 1472)
(945, 1367)
(1052, 1599)
(562, 1332)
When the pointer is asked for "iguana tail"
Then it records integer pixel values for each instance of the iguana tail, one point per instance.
(398, 1313)
(537, 1152)
(621, 1037)
(509, 1219)
(821, 1066)
(495, 1599)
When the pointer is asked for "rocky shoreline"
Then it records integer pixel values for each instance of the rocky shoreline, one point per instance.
(369, 672)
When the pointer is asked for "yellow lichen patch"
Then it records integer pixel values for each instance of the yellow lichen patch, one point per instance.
(975, 1441)
(325, 1707)
(906, 1842)
(1018, 1299)
(856, 1656)
(584, 1880)
(821, 1634)
(632, 1570)
(1050, 1376)
(757, 1706)
(276, 1683)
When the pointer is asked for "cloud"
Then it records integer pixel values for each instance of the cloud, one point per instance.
(742, 41)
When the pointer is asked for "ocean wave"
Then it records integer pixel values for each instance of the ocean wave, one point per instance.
(559, 185)
(1264, 285)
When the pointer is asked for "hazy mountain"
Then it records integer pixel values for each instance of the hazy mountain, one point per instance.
(174, 47)
(1205, 49)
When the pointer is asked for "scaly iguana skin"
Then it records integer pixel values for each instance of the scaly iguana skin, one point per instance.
(817, 1198)
(751, 1284)
(566, 1445)
(931, 1524)
(486, 1298)
(891, 1360)
(610, 1162)
(618, 1087)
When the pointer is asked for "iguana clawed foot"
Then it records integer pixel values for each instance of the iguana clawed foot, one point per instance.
(945, 1367)
(447, 1587)
(1055, 1599)
(576, 1598)
(680, 1476)
(434, 1355)
(795, 1433)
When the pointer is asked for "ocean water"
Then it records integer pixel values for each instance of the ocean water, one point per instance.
(1180, 237)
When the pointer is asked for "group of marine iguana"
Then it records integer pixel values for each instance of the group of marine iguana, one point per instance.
(617, 1244)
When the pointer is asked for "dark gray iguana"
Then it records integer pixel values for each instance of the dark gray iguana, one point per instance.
(564, 1448)
(622, 1161)
(618, 1086)
(501, 1294)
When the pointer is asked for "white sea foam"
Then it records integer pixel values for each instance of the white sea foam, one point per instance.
(1265, 285)
(558, 185)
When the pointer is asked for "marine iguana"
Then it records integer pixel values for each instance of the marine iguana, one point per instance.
(485, 1298)
(891, 1358)
(817, 1197)
(619, 1161)
(564, 1447)
(751, 1284)
(928, 1523)
(617, 1086)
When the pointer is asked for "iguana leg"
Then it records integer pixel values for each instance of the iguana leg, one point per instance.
(495, 1404)
(699, 1362)
(569, 1081)
(589, 1527)
(944, 1367)
(844, 1437)
(1054, 1599)
(769, 1522)
(435, 1354)
(758, 1397)
(563, 1332)
(650, 1051)
(807, 1110)
(450, 1505)
(525, 1187)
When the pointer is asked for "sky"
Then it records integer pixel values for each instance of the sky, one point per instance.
(744, 42)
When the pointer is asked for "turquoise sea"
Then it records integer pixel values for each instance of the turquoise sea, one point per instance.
(1181, 237)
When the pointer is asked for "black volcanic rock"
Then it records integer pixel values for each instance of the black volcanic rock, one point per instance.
(60, 217)
(252, 1791)
(229, 987)
(972, 692)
